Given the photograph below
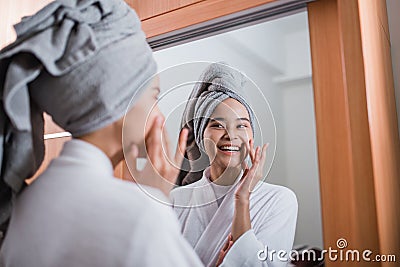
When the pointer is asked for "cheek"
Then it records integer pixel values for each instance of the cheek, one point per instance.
(151, 118)
(210, 138)
(140, 127)
(247, 135)
(210, 143)
(134, 125)
(138, 121)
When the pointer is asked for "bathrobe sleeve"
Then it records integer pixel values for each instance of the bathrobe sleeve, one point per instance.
(270, 242)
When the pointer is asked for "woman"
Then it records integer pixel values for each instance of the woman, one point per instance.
(82, 62)
(228, 205)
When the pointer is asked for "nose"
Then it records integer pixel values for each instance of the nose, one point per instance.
(230, 133)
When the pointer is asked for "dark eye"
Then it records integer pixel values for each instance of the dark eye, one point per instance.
(217, 125)
(242, 126)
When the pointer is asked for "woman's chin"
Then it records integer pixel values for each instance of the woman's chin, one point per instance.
(229, 163)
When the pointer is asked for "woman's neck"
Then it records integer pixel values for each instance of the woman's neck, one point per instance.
(224, 176)
(107, 140)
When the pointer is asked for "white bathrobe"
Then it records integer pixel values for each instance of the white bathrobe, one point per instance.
(77, 214)
(206, 225)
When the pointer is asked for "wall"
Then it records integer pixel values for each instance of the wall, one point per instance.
(299, 133)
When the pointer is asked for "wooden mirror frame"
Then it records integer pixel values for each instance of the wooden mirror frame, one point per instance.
(356, 119)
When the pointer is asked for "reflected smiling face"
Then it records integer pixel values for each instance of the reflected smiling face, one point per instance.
(227, 130)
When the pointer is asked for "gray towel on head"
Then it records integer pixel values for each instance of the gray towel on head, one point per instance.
(217, 83)
(81, 61)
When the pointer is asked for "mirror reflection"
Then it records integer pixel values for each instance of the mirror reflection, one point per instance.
(275, 55)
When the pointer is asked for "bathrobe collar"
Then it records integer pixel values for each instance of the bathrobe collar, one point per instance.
(87, 155)
(215, 222)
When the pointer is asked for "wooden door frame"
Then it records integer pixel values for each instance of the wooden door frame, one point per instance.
(358, 139)
(356, 119)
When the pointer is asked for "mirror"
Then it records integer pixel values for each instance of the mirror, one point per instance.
(276, 56)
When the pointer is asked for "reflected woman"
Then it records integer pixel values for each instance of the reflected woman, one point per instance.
(225, 208)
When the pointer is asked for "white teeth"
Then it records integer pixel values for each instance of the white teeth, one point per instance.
(230, 148)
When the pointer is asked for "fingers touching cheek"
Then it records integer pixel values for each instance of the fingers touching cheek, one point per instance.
(155, 113)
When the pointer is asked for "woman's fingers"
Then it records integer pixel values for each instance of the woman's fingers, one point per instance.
(244, 150)
(245, 173)
(256, 155)
(228, 244)
(245, 166)
(154, 143)
(264, 156)
(181, 147)
(250, 171)
(253, 176)
(160, 170)
(260, 160)
(251, 150)
(248, 177)
(166, 143)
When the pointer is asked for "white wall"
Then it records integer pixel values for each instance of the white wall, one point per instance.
(298, 132)
(393, 8)
(276, 56)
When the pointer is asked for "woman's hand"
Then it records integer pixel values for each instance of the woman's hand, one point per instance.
(252, 175)
(225, 249)
(161, 169)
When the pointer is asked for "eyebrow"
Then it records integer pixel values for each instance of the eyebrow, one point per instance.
(244, 119)
(222, 119)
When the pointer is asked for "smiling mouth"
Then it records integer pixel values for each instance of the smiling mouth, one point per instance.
(229, 148)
